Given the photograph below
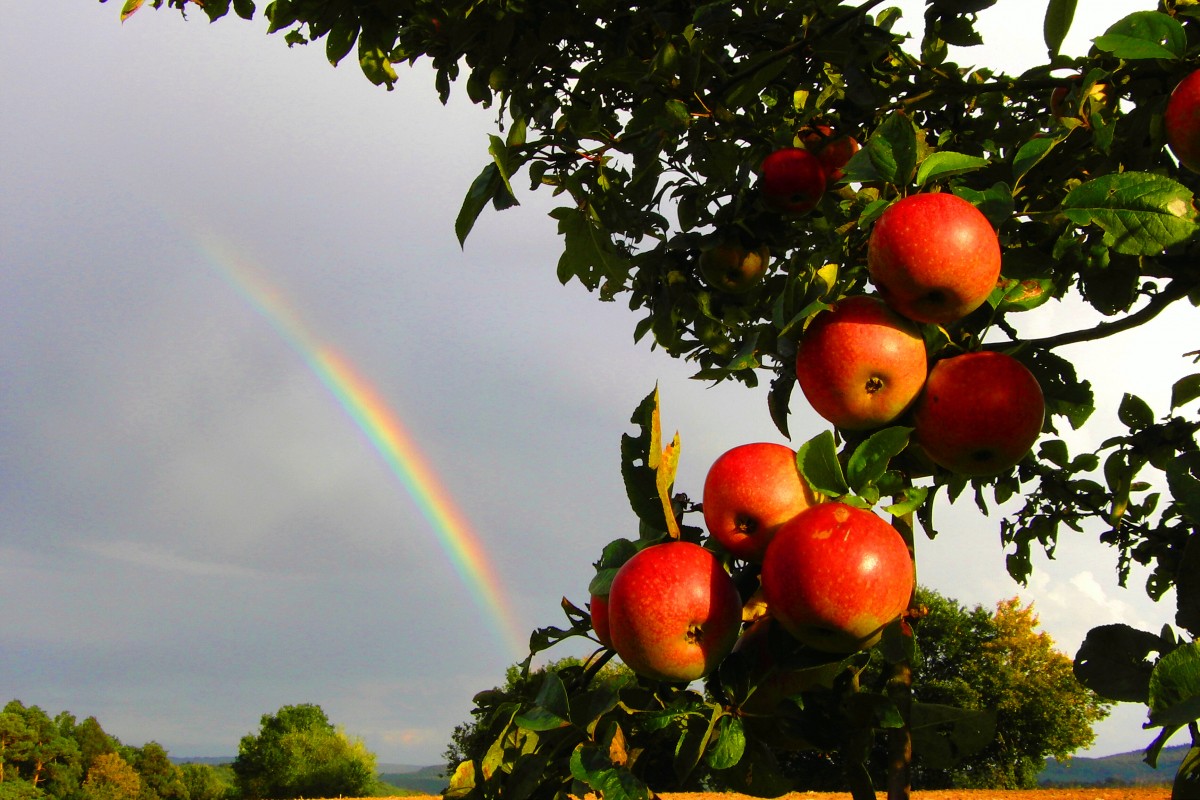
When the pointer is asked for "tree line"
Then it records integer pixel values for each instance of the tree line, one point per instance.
(297, 752)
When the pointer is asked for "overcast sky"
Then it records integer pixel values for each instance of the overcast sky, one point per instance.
(194, 531)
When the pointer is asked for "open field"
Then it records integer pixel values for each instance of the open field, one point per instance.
(1096, 793)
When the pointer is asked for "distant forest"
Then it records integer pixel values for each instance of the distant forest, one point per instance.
(298, 753)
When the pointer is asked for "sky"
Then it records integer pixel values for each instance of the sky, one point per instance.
(269, 436)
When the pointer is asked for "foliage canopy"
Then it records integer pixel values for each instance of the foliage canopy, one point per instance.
(649, 122)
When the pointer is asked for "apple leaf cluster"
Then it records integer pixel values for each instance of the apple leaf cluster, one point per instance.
(656, 125)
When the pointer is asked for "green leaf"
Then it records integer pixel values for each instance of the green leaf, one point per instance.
(481, 191)
(1026, 295)
(507, 164)
(1030, 155)
(913, 499)
(588, 251)
(640, 456)
(818, 463)
(730, 744)
(1141, 214)
(341, 39)
(130, 8)
(244, 8)
(944, 164)
(1134, 413)
(1059, 15)
(1187, 587)
(375, 64)
(870, 459)
(1142, 35)
(1113, 662)
(943, 735)
(892, 148)
(1187, 778)
(592, 765)
(551, 709)
(1175, 687)
(1185, 391)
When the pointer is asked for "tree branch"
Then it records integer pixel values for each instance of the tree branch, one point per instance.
(1175, 290)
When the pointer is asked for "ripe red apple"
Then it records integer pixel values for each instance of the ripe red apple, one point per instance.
(673, 612)
(749, 492)
(979, 414)
(598, 606)
(1181, 122)
(835, 575)
(934, 257)
(731, 267)
(832, 150)
(792, 180)
(859, 364)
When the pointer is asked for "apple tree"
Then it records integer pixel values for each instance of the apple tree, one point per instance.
(736, 171)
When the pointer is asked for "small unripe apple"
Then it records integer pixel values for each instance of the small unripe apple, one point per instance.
(731, 267)
(673, 612)
(980, 413)
(860, 365)
(835, 575)
(1181, 121)
(792, 180)
(933, 257)
(750, 491)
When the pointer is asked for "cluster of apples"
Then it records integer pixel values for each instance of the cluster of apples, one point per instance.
(934, 258)
(792, 182)
(831, 575)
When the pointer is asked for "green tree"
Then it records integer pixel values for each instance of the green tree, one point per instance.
(35, 750)
(93, 741)
(206, 782)
(299, 753)
(161, 778)
(112, 778)
(650, 122)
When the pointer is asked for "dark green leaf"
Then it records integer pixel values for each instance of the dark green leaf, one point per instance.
(944, 164)
(943, 735)
(818, 463)
(551, 709)
(1141, 213)
(1187, 587)
(1030, 154)
(1187, 778)
(591, 765)
(1144, 34)
(892, 149)
(1134, 413)
(588, 250)
(870, 459)
(341, 39)
(1113, 662)
(638, 454)
(481, 191)
(1185, 391)
(1059, 15)
(912, 499)
(244, 8)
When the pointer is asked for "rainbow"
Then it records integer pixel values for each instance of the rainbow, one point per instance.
(387, 435)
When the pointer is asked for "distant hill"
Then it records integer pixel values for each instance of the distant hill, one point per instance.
(426, 780)
(1122, 769)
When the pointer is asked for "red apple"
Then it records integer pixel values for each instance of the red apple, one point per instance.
(860, 365)
(598, 606)
(673, 612)
(835, 575)
(749, 492)
(792, 180)
(934, 257)
(1181, 122)
(833, 151)
(979, 414)
(730, 267)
